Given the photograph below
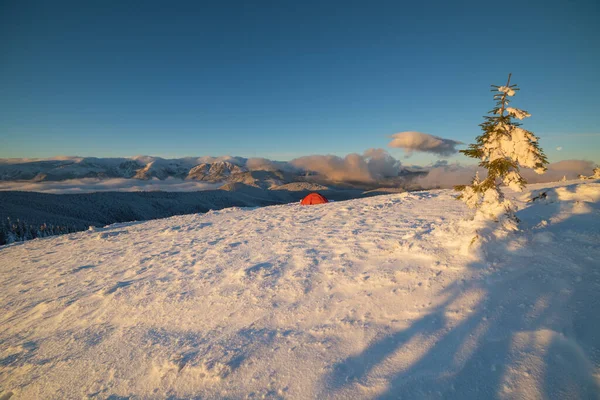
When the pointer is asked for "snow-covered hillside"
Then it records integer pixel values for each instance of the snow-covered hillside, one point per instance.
(371, 298)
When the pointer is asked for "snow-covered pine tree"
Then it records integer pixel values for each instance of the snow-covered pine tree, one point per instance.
(596, 173)
(502, 148)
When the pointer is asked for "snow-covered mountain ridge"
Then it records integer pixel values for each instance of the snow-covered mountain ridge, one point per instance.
(370, 298)
(85, 174)
(142, 167)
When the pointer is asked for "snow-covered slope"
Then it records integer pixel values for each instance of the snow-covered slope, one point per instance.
(371, 298)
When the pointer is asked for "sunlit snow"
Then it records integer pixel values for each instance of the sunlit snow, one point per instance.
(372, 298)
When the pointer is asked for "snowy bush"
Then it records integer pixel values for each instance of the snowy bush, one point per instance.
(596, 175)
(502, 148)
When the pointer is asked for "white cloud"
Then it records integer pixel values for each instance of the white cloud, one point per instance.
(569, 168)
(352, 168)
(264, 164)
(417, 141)
(559, 148)
(447, 176)
(89, 185)
(381, 164)
(374, 164)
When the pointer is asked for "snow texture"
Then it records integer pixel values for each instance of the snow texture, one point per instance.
(372, 298)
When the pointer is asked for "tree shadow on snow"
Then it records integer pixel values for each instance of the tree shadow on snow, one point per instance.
(534, 330)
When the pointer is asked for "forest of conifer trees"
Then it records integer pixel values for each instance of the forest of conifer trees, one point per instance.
(19, 231)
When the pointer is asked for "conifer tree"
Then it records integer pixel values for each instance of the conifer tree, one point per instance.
(502, 148)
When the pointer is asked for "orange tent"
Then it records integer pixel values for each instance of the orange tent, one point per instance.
(314, 198)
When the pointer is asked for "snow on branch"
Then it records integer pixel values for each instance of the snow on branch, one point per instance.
(517, 113)
(505, 89)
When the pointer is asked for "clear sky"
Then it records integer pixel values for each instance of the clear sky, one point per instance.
(281, 79)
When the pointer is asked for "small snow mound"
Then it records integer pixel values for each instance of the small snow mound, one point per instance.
(582, 192)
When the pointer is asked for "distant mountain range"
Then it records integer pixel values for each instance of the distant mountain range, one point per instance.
(91, 167)
(230, 172)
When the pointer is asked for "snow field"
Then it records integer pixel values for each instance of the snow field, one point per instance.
(372, 298)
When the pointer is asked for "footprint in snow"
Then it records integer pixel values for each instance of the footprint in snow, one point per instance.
(75, 270)
(261, 268)
(214, 242)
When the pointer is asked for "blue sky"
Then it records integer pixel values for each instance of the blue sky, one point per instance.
(281, 79)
